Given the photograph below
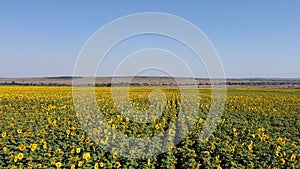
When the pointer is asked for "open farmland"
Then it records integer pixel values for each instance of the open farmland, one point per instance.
(259, 128)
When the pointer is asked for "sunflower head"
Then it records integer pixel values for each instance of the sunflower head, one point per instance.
(282, 161)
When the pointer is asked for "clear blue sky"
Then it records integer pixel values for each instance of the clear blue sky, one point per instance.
(253, 38)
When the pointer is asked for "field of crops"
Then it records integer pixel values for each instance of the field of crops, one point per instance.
(259, 128)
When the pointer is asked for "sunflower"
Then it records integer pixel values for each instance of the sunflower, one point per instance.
(4, 134)
(282, 161)
(207, 153)
(80, 163)
(114, 126)
(148, 161)
(58, 164)
(293, 145)
(115, 155)
(73, 133)
(217, 159)
(88, 140)
(117, 165)
(33, 147)
(42, 131)
(250, 166)
(82, 137)
(22, 147)
(87, 156)
(78, 150)
(293, 157)
(278, 148)
(157, 126)
(250, 147)
(58, 151)
(68, 132)
(20, 156)
(96, 166)
(45, 145)
(19, 131)
(48, 155)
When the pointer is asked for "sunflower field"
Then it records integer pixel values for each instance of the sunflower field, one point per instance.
(259, 128)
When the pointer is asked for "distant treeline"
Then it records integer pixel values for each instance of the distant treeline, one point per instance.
(280, 83)
(13, 83)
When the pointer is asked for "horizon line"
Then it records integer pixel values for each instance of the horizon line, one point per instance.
(144, 76)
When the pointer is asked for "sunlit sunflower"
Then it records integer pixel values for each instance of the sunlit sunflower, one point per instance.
(278, 148)
(101, 164)
(22, 147)
(42, 131)
(4, 134)
(86, 156)
(20, 156)
(117, 165)
(19, 131)
(68, 132)
(96, 166)
(88, 140)
(157, 126)
(293, 157)
(78, 150)
(5, 149)
(80, 163)
(33, 147)
(115, 155)
(45, 145)
(282, 161)
(58, 164)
